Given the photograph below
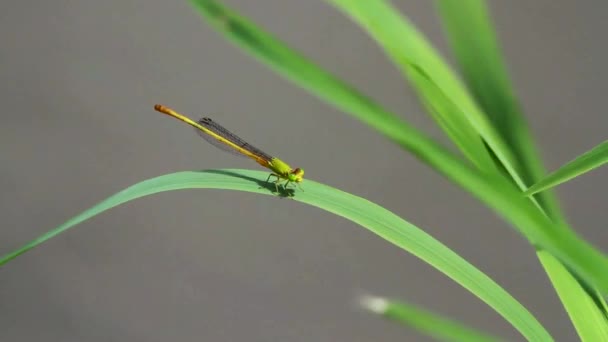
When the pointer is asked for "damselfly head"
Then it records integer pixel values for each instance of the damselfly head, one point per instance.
(296, 175)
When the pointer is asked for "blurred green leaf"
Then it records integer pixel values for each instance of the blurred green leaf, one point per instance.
(586, 162)
(471, 34)
(429, 323)
(361, 211)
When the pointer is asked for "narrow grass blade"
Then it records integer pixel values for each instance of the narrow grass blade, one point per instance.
(300, 70)
(586, 316)
(429, 323)
(586, 162)
(602, 302)
(471, 34)
(363, 212)
(449, 117)
(414, 55)
(494, 190)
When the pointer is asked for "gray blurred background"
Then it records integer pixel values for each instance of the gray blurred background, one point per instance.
(78, 80)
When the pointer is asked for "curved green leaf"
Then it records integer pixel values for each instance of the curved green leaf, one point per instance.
(361, 211)
(586, 162)
(429, 323)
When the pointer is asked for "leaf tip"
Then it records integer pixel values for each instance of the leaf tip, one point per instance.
(377, 305)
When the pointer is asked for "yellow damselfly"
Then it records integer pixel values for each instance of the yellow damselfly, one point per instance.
(226, 140)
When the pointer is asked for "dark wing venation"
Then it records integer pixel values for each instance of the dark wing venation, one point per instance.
(226, 134)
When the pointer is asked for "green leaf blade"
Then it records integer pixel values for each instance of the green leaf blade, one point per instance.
(471, 35)
(356, 209)
(587, 317)
(470, 31)
(584, 163)
(429, 323)
(435, 82)
(297, 68)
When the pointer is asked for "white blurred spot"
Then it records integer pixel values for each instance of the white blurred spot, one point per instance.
(377, 305)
